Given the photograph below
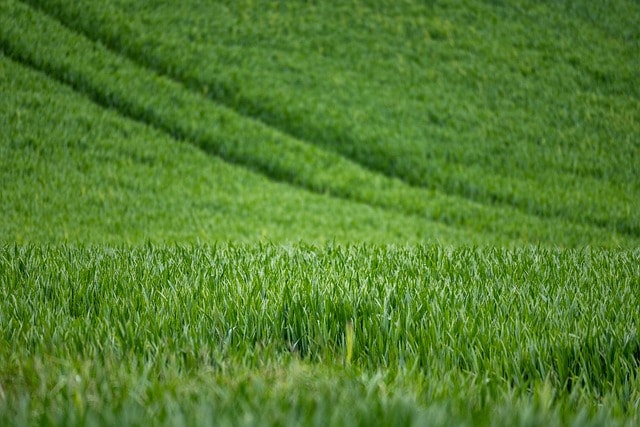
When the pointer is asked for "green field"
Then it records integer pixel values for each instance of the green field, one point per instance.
(354, 334)
(329, 213)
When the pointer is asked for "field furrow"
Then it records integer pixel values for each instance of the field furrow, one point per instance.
(73, 171)
(115, 82)
(415, 99)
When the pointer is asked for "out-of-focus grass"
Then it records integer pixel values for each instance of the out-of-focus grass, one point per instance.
(529, 104)
(139, 93)
(71, 171)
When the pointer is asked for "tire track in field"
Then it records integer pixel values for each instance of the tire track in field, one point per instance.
(67, 74)
(108, 97)
(298, 129)
(22, 77)
(163, 103)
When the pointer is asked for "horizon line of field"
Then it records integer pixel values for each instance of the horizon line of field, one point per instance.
(258, 113)
(105, 100)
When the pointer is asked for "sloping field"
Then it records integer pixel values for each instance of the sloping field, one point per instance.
(137, 72)
(319, 213)
(72, 171)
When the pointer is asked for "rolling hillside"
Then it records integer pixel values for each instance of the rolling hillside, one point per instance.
(435, 114)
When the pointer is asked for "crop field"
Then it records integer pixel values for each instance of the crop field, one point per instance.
(319, 213)
(341, 335)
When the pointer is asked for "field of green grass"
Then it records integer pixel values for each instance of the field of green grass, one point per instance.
(330, 213)
(346, 335)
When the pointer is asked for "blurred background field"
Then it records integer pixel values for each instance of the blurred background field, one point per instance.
(506, 122)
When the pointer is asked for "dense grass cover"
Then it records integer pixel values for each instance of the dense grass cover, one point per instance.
(320, 213)
(137, 92)
(71, 171)
(529, 104)
(340, 334)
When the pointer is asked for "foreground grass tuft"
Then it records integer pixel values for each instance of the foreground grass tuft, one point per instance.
(340, 335)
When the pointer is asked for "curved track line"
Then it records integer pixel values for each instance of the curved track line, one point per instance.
(485, 219)
(257, 112)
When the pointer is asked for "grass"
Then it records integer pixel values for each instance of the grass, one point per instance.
(257, 335)
(141, 94)
(452, 97)
(319, 213)
(102, 178)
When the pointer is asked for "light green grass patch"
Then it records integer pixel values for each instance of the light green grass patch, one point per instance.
(258, 335)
